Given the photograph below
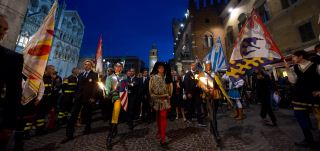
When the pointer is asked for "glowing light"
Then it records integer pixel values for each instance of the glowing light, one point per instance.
(285, 74)
(181, 25)
(230, 10)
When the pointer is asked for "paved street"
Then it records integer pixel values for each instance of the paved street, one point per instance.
(247, 135)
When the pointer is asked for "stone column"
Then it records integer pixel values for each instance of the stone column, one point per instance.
(15, 11)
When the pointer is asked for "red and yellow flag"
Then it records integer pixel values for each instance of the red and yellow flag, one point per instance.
(36, 55)
(99, 66)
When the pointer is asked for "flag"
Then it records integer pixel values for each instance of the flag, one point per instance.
(216, 56)
(36, 55)
(253, 48)
(99, 66)
(124, 94)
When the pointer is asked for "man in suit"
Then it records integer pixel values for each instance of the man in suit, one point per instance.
(145, 97)
(10, 88)
(85, 96)
(193, 95)
(133, 94)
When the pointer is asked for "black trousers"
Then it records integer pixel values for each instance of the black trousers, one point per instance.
(212, 108)
(195, 107)
(67, 103)
(131, 109)
(266, 109)
(86, 111)
(146, 109)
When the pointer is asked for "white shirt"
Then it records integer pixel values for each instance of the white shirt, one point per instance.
(292, 76)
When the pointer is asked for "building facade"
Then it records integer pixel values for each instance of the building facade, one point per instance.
(194, 36)
(293, 24)
(15, 11)
(68, 34)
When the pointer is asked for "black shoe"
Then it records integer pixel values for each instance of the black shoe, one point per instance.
(109, 143)
(303, 143)
(202, 125)
(164, 145)
(86, 132)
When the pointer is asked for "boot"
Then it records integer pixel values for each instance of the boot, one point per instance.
(113, 132)
(241, 115)
(236, 113)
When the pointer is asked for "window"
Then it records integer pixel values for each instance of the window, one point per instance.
(23, 40)
(242, 20)
(306, 32)
(263, 12)
(210, 41)
(205, 41)
(230, 37)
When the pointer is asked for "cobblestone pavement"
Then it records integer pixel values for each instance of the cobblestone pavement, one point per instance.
(247, 135)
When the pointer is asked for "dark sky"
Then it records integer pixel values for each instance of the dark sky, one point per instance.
(129, 27)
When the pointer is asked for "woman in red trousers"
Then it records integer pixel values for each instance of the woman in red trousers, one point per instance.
(160, 87)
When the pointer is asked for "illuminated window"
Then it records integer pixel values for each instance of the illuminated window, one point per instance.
(23, 40)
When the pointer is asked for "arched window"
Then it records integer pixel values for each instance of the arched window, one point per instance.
(44, 9)
(242, 19)
(205, 43)
(210, 41)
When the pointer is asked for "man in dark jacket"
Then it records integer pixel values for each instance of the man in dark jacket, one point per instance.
(85, 96)
(316, 57)
(10, 88)
(193, 95)
(145, 97)
(133, 97)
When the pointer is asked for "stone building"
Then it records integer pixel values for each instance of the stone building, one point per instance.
(15, 11)
(68, 34)
(195, 35)
(128, 61)
(153, 57)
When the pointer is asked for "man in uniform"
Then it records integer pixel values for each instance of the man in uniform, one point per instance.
(85, 96)
(134, 103)
(69, 88)
(193, 95)
(42, 109)
(113, 84)
(212, 96)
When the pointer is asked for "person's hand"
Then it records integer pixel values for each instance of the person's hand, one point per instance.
(37, 102)
(189, 95)
(286, 65)
(91, 100)
(316, 93)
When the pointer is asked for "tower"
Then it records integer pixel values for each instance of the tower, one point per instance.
(153, 57)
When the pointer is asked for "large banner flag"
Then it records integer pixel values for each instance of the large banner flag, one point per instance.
(216, 56)
(124, 94)
(99, 66)
(36, 55)
(253, 48)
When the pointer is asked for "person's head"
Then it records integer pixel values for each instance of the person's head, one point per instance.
(208, 66)
(4, 27)
(193, 66)
(88, 64)
(317, 48)
(118, 67)
(159, 67)
(132, 72)
(145, 73)
(54, 74)
(50, 69)
(109, 71)
(75, 71)
(299, 56)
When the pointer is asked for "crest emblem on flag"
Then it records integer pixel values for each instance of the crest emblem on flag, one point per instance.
(253, 48)
(216, 57)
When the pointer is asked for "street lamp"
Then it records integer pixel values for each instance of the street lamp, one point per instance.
(182, 25)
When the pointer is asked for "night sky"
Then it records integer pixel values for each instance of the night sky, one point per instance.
(129, 27)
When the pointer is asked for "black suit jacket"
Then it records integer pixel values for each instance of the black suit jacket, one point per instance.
(87, 86)
(145, 87)
(133, 87)
(190, 84)
(10, 78)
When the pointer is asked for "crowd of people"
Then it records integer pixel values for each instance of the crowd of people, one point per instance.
(157, 96)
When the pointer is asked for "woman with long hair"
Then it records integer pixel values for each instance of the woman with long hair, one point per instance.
(160, 87)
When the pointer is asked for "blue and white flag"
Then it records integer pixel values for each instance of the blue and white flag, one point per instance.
(216, 57)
